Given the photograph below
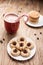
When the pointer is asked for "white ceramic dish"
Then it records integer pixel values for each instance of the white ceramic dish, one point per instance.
(37, 24)
(20, 58)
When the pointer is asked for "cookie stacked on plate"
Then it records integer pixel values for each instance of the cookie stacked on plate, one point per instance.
(21, 46)
(34, 16)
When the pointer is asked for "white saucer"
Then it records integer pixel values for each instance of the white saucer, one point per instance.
(20, 58)
(38, 24)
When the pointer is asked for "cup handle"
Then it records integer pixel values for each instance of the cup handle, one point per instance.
(25, 17)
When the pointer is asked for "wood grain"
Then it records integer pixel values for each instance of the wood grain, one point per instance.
(23, 6)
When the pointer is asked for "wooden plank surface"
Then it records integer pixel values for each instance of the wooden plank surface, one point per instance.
(23, 6)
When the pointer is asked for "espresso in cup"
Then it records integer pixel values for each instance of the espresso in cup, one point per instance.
(11, 22)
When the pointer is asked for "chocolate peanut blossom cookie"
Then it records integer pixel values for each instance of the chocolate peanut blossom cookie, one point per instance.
(21, 39)
(15, 52)
(29, 45)
(13, 44)
(25, 52)
(21, 45)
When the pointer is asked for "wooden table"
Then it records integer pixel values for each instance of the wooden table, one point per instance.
(36, 34)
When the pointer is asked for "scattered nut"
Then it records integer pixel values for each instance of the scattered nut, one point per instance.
(37, 38)
(35, 34)
(40, 32)
(1, 41)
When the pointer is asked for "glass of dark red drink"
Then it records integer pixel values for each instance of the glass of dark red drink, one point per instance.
(11, 22)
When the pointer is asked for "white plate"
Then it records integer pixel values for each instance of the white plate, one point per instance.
(20, 58)
(37, 24)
